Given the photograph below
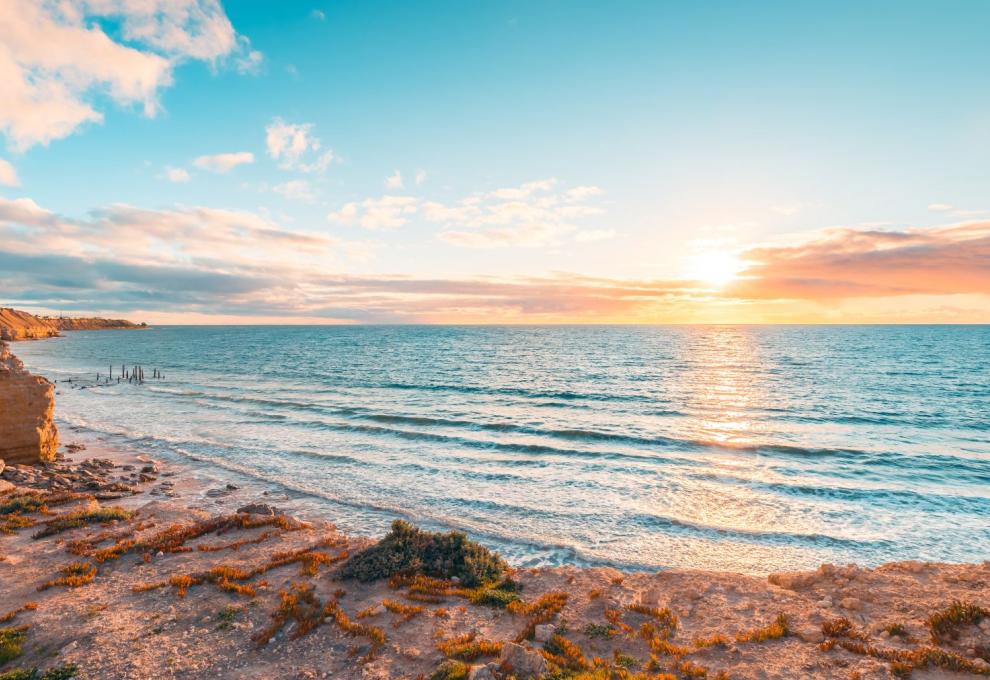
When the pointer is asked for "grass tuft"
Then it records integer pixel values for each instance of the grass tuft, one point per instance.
(81, 518)
(73, 575)
(451, 670)
(467, 647)
(944, 625)
(11, 642)
(780, 628)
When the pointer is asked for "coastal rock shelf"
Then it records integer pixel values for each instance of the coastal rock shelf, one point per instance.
(27, 427)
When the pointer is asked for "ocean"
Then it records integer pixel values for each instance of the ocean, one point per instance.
(743, 448)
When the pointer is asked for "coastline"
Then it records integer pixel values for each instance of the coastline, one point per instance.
(721, 618)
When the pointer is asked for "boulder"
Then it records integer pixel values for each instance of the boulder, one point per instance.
(27, 408)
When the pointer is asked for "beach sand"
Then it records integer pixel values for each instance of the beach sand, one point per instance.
(688, 624)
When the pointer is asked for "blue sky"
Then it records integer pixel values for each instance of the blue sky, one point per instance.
(705, 130)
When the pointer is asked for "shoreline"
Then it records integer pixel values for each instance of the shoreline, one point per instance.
(208, 632)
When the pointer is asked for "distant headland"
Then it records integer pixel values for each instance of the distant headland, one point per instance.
(19, 325)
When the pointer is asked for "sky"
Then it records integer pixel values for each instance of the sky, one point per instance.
(187, 161)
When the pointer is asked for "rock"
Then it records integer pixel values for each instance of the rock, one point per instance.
(825, 602)
(487, 672)
(851, 603)
(544, 632)
(809, 634)
(260, 509)
(980, 665)
(232, 487)
(150, 469)
(522, 662)
(793, 580)
(6, 486)
(2, 466)
(27, 405)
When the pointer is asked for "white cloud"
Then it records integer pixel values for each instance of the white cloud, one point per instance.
(224, 162)
(953, 210)
(318, 14)
(387, 212)
(294, 146)
(8, 175)
(394, 181)
(296, 190)
(197, 236)
(420, 176)
(250, 63)
(531, 214)
(56, 61)
(176, 175)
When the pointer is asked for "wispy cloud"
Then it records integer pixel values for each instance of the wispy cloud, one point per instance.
(176, 175)
(224, 162)
(49, 92)
(296, 190)
(847, 263)
(530, 214)
(954, 211)
(394, 181)
(8, 175)
(295, 147)
(387, 212)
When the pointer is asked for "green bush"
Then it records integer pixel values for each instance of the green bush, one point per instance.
(407, 550)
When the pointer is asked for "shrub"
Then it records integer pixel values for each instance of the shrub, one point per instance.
(407, 550)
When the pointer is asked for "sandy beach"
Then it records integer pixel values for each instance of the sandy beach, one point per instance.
(176, 583)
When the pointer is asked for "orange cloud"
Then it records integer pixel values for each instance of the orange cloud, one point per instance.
(847, 263)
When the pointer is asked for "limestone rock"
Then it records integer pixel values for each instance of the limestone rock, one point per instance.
(522, 662)
(27, 407)
(793, 580)
(544, 632)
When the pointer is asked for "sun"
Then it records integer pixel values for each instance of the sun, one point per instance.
(714, 268)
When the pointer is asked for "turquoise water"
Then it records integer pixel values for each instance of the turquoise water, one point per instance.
(743, 448)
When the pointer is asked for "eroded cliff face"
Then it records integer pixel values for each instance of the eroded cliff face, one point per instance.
(88, 323)
(27, 408)
(18, 325)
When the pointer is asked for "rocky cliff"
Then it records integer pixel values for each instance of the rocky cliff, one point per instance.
(18, 325)
(91, 323)
(27, 405)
